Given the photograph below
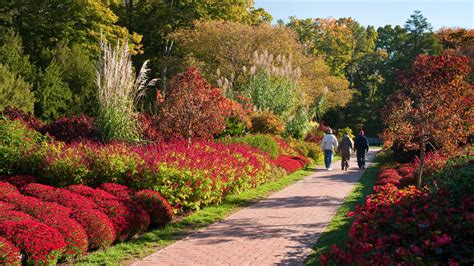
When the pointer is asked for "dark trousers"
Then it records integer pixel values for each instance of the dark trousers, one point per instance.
(361, 158)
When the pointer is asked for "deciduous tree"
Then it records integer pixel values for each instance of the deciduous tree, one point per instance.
(434, 105)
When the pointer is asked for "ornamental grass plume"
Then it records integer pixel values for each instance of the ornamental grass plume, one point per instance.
(118, 92)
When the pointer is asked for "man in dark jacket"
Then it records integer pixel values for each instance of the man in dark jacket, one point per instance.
(361, 145)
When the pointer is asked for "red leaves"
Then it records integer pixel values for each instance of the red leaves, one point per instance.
(434, 104)
(192, 108)
(76, 128)
(9, 254)
(155, 205)
(41, 243)
(291, 163)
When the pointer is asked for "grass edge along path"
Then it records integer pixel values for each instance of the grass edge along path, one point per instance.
(150, 242)
(337, 231)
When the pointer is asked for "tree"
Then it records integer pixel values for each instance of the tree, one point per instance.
(14, 91)
(226, 49)
(45, 23)
(52, 94)
(193, 108)
(433, 105)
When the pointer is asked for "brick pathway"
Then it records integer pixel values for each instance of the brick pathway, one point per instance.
(280, 229)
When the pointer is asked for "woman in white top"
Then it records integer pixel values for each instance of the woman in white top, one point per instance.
(329, 144)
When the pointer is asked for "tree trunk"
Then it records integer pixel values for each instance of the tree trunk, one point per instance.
(422, 164)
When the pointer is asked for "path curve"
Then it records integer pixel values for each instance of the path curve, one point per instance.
(281, 229)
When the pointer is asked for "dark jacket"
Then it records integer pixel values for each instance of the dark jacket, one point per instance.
(361, 144)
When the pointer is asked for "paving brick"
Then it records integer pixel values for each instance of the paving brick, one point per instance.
(280, 229)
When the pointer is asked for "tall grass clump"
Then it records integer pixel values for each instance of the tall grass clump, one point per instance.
(118, 93)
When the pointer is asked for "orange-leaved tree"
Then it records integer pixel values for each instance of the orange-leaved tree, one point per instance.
(193, 108)
(434, 105)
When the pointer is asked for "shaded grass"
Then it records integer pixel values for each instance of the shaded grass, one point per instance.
(150, 242)
(337, 231)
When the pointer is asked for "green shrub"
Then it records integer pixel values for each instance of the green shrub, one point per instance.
(297, 125)
(347, 130)
(265, 143)
(308, 149)
(456, 178)
(185, 189)
(266, 123)
(15, 140)
(15, 91)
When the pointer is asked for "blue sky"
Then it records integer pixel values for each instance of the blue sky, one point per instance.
(450, 13)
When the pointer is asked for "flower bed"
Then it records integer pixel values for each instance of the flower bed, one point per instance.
(404, 225)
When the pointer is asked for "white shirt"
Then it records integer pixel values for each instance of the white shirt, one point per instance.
(329, 142)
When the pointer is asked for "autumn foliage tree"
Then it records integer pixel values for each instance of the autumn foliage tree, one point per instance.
(193, 108)
(434, 105)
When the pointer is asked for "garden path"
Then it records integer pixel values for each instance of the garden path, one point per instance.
(281, 229)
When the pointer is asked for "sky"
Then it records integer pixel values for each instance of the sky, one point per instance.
(447, 13)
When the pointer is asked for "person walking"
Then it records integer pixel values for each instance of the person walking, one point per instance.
(362, 147)
(345, 149)
(329, 144)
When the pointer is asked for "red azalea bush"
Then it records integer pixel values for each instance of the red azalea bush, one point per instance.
(291, 163)
(127, 218)
(16, 216)
(9, 254)
(120, 191)
(6, 188)
(34, 206)
(76, 128)
(59, 195)
(41, 244)
(74, 234)
(20, 181)
(100, 230)
(155, 205)
(6, 206)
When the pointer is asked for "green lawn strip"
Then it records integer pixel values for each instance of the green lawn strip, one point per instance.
(337, 230)
(154, 240)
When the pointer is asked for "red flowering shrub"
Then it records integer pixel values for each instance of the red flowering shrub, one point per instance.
(120, 191)
(37, 207)
(6, 206)
(74, 234)
(6, 188)
(100, 230)
(388, 180)
(156, 206)
(16, 216)
(389, 173)
(434, 161)
(291, 163)
(9, 254)
(406, 171)
(59, 195)
(20, 181)
(40, 243)
(127, 218)
(76, 128)
(407, 226)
